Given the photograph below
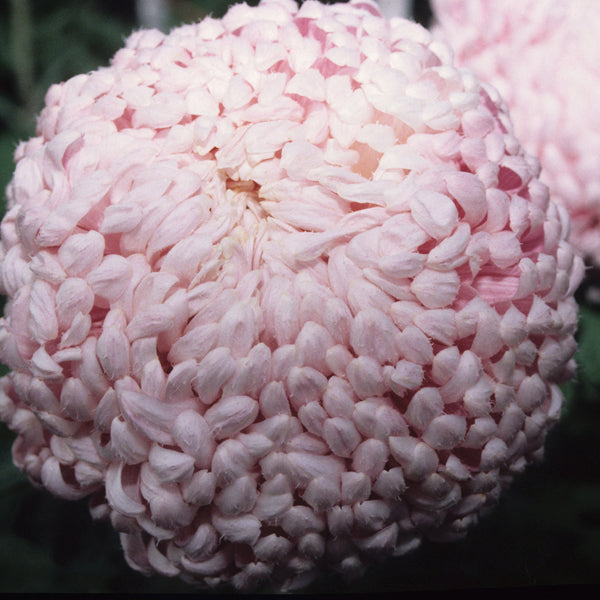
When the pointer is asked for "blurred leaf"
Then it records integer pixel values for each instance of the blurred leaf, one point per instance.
(75, 38)
(7, 148)
(5, 60)
(10, 476)
(17, 575)
(587, 354)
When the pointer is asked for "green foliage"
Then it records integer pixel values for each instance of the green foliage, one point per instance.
(586, 385)
(66, 38)
(7, 147)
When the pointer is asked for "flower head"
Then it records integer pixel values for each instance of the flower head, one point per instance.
(284, 293)
(543, 57)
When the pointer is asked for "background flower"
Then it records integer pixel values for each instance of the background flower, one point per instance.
(542, 56)
(451, 574)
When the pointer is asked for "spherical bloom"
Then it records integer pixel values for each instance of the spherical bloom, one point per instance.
(544, 58)
(284, 293)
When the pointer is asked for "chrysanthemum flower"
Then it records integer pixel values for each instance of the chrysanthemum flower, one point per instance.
(284, 294)
(544, 58)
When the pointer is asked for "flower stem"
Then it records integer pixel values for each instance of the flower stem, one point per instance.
(396, 8)
(153, 14)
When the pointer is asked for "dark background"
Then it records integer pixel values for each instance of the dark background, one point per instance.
(546, 528)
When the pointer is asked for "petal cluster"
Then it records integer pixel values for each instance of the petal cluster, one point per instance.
(543, 57)
(284, 294)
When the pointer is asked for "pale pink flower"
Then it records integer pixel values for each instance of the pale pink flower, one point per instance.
(544, 58)
(284, 294)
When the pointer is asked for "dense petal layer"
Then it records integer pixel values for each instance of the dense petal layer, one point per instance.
(284, 291)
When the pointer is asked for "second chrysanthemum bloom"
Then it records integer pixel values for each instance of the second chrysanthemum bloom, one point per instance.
(543, 57)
